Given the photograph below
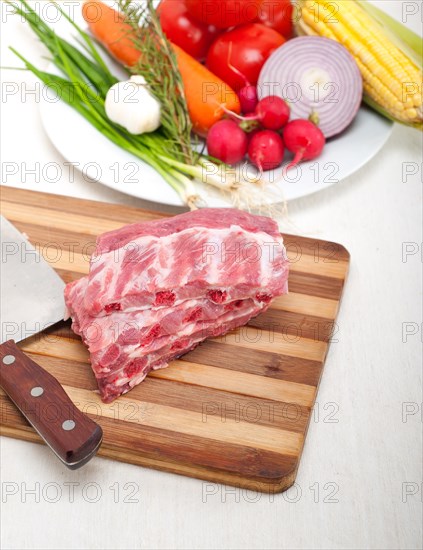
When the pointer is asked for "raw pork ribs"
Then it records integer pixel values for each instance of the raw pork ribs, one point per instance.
(157, 289)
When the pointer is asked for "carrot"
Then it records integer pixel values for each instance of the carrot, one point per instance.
(208, 97)
(108, 26)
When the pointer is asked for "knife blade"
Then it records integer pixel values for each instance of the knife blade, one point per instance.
(32, 300)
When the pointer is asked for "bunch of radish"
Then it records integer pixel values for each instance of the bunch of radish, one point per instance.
(263, 134)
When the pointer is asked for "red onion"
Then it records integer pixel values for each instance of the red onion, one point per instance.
(320, 80)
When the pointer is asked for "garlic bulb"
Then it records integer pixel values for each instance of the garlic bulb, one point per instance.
(131, 105)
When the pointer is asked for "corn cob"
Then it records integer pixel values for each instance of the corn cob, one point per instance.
(392, 81)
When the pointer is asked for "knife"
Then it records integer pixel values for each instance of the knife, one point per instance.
(31, 301)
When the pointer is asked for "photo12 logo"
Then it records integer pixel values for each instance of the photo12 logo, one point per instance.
(53, 492)
(317, 492)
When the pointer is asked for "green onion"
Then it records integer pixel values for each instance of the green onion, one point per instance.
(84, 84)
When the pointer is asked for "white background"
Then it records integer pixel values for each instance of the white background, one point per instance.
(373, 453)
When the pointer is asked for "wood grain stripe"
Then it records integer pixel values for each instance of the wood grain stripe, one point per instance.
(191, 373)
(72, 222)
(292, 325)
(316, 285)
(200, 399)
(188, 422)
(199, 457)
(168, 446)
(237, 382)
(313, 266)
(308, 305)
(327, 251)
(269, 364)
(62, 203)
(285, 344)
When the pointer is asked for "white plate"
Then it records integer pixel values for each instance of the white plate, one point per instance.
(99, 159)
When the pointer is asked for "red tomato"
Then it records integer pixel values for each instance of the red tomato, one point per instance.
(277, 14)
(246, 48)
(184, 30)
(225, 13)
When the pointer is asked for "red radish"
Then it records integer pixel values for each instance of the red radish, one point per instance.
(266, 150)
(272, 112)
(227, 142)
(248, 98)
(304, 139)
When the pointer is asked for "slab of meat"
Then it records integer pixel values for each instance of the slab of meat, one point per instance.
(225, 254)
(143, 328)
(137, 313)
(124, 347)
(210, 218)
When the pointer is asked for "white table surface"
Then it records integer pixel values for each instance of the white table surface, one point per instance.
(370, 454)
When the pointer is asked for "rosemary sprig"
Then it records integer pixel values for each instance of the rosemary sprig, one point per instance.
(159, 67)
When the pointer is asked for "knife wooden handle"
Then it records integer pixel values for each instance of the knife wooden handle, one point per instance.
(72, 435)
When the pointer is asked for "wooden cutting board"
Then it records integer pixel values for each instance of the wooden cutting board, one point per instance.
(235, 410)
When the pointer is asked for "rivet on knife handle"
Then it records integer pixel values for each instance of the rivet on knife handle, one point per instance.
(72, 435)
